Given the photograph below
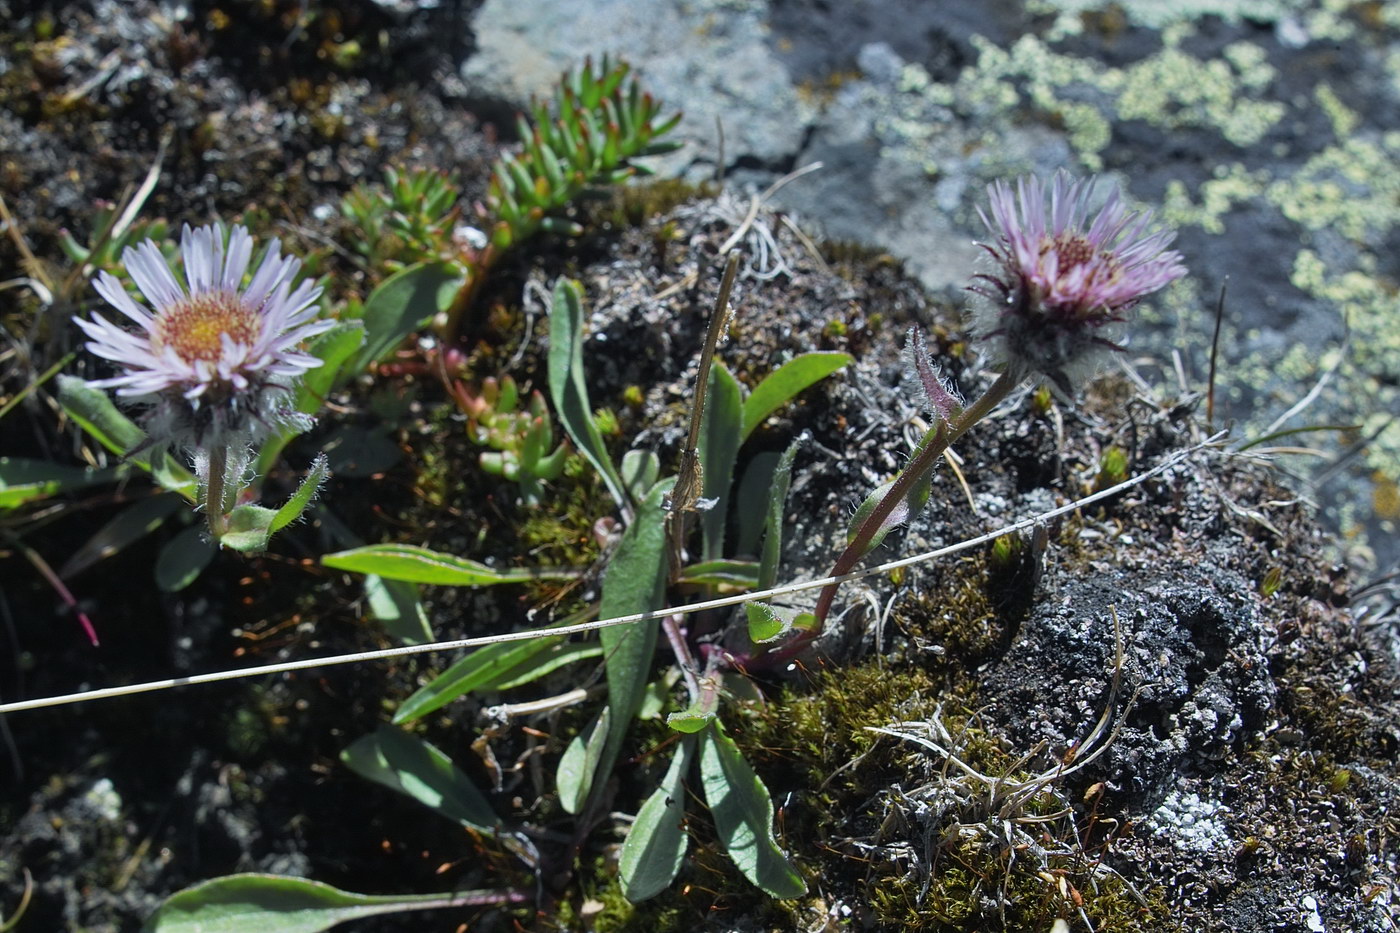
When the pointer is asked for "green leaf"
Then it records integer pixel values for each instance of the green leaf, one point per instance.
(183, 558)
(98, 416)
(691, 719)
(333, 349)
(722, 573)
(403, 303)
(784, 383)
(769, 623)
(300, 499)
(398, 606)
(743, 814)
(24, 480)
(417, 769)
(655, 846)
(635, 582)
(567, 389)
(249, 528)
(414, 564)
(476, 671)
(258, 903)
(94, 413)
(719, 447)
(578, 766)
(776, 509)
(548, 661)
(640, 468)
(126, 528)
(751, 501)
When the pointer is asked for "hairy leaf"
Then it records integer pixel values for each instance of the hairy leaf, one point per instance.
(578, 766)
(415, 564)
(720, 436)
(655, 846)
(259, 903)
(419, 770)
(568, 391)
(743, 814)
(783, 384)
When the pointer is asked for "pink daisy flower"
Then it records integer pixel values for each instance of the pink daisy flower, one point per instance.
(216, 359)
(1064, 282)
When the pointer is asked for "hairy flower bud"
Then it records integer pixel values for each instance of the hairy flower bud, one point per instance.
(1062, 283)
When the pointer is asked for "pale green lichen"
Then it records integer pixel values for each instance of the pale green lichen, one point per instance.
(1352, 187)
(1233, 184)
(1159, 13)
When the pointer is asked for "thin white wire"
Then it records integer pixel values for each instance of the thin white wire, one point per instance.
(383, 653)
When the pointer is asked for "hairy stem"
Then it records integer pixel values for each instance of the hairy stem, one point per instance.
(214, 493)
(917, 469)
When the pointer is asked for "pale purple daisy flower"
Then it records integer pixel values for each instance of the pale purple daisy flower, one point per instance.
(1063, 282)
(215, 359)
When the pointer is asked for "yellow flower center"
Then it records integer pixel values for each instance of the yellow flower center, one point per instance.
(194, 328)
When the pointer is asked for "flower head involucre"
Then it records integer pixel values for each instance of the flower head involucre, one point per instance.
(1062, 282)
(215, 360)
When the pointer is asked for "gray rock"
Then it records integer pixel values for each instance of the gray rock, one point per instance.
(709, 59)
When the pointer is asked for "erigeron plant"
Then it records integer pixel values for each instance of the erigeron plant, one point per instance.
(213, 367)
(1052, 305)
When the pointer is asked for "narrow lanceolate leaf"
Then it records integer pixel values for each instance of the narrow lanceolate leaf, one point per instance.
(419, 770)
(486, 668)
(414, 564)
(567, 389)
(939, 400)
(95, 413)
(655, 846)
(24, 480)
(783, 384)
(578, 766)
(751, 501)
(740, 573)
(743, 814)
(635, 582)
(291, 511)
(398, 605)
(333, 348)
(183, 558)
(127, 527)
(776, 509)
(98, 416)
(258, 903)
(720, 435)
(403, 303)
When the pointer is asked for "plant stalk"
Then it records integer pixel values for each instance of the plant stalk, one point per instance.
(917, 469)
(214, 493)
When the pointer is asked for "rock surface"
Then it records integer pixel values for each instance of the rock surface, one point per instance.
(1262, 129)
